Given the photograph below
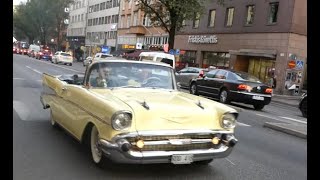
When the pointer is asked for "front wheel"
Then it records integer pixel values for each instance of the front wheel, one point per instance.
(194, 89)
(224, 97)
(258, 106)
(96, 153)
(70, 64)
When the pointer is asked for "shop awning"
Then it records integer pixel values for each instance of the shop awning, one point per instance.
(255, 52)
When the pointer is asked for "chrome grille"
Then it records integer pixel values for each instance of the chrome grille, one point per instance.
(171, 147)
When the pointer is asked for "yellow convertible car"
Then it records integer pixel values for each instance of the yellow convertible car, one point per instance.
(132, 112)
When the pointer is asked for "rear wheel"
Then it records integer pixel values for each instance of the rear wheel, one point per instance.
(194, 89)
(258, 106)
(224, 96)
(303, 108)
(52, 121)
(70, 64)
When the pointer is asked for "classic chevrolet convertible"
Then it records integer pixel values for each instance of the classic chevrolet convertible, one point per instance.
(132, 112)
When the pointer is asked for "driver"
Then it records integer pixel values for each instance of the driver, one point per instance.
(103, 78)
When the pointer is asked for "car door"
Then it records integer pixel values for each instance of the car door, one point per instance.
(204, 81)
(218, 81)
(54, 58)
(180, 76)
(191, 74)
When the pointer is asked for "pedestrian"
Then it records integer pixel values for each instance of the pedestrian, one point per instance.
(274, 84)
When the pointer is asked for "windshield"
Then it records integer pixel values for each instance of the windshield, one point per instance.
(246, 77)
(65, 54)
(105, 56)
(130, 75)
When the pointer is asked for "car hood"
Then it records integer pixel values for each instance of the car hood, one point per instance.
(156, 109)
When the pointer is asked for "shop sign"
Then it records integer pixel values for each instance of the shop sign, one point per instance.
(126, 46)
(203, 39)
(292, 64)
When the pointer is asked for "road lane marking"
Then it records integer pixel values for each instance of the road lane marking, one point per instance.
(243, 124)
(60, 66)
(21, 110)
(230, 161)
(18, 79)
(34, 70)
(303, 122)
(292, 119)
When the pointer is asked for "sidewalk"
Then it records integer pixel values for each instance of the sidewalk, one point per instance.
(287, 100)
(295, 129)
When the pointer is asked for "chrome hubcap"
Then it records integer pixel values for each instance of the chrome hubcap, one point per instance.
(193, 89)
(223, 96)
(96, 152)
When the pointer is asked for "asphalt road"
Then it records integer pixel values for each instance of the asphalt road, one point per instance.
(41, 152)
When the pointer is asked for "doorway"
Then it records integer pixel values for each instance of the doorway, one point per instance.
(262, 68)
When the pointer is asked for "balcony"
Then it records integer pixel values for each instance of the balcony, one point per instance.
(137, 30)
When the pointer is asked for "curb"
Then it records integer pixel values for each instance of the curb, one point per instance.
(281, 128)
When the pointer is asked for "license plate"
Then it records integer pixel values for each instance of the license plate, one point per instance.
(182, 159)
(258, 98)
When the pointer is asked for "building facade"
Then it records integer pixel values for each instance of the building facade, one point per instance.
(76, 30)
(135, 30)
(102, 21)
(264, 38)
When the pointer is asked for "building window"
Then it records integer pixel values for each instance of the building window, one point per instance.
(229, 15)
(196, 20)
(90, 9)
(109, 20)
(81, 17)
(220, 59)
(116, 19)
(112, 18)
(273, 13)
(135, 18)
(123, 21)
(212, 17)
(114, 4)
(130, 3)
(109, 4)
(102, 20)
(128, 21)
(250, 14)
(146, 20)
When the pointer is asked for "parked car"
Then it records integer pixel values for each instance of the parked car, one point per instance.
(15, 49)
(44, 54)
(158, 57)
(97, 57)
(185, 76)
(62, 57)
(230, 85)
(303, 105)
(33, 49)
(130, 112)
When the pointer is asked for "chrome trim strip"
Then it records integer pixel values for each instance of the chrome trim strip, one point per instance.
(250, 93)
(208, 87)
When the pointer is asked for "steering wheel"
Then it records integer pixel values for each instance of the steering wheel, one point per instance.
(151, 81)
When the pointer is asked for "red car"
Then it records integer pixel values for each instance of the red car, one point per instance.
(45, 54)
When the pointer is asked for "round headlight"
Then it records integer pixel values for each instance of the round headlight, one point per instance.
(121, 120)
(228, 120)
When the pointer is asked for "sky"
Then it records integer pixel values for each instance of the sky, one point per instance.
(16, 2)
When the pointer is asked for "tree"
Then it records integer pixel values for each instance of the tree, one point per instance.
(171, 14)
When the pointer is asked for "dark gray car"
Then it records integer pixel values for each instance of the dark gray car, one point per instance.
(184, 76)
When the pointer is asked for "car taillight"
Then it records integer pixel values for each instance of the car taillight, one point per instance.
(40, 53)
(244, 87)
(50, 54)
(269, 91)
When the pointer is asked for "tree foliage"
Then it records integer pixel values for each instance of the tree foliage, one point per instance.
(40, 19)
(171, 14)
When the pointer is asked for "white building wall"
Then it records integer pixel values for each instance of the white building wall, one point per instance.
(77, 27)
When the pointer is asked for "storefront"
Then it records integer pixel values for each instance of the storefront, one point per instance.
(264, 55)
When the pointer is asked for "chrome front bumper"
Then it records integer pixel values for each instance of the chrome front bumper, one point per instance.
(114, 150)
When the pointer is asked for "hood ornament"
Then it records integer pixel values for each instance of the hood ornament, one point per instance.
(200, 105)
(144, 104)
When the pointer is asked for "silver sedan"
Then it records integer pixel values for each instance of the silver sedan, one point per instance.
(184, 76)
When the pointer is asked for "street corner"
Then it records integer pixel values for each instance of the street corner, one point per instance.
(299, 130)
